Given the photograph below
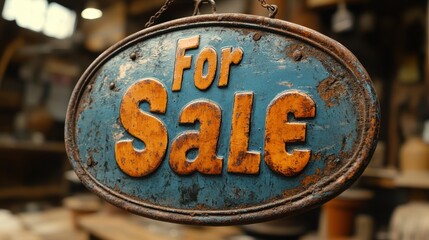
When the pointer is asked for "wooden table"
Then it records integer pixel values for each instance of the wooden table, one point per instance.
(125, 227)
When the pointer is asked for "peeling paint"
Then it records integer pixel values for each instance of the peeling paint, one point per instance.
(286, 84)
(123, 70)
(331, 90)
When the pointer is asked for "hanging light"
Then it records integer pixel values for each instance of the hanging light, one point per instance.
(91, 11)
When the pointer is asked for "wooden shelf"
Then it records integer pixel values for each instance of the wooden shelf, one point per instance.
(384, 178)
(392, 178)
(32, 171)
(53, 147)
(36, 192)
(418, 180)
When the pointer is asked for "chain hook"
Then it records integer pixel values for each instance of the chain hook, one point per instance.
(272, 9)
(198, 4)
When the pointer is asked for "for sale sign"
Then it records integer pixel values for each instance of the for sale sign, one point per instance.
(222, 119)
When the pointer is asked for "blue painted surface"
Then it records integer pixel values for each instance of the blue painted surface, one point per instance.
(265, 69)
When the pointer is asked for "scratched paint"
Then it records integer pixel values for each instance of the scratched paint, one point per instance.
(341, 135)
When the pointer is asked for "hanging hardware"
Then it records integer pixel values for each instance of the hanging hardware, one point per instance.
(198, 4)
(159, 13)
(272, 9)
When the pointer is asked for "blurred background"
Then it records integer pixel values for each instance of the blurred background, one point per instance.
(45, 45)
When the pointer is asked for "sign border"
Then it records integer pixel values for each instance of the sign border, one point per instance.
(312, 197)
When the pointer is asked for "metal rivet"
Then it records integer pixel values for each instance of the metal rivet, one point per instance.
(112, 86)
(297, 55)
(133, 56)
(89, 162)
(257, 37)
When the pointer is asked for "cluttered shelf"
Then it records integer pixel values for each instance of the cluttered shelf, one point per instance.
(31, 169)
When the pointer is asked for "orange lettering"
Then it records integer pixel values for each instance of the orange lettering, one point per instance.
(209, 56)
(209, 115)
(228, 58)
(147, 128)
(240, 160)
(182, 61)
(279, 132)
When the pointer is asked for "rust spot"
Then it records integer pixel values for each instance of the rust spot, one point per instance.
(240, 158)
(330, 165)
(309, 180)
(291, 192)
(330, 90)
(316, 156)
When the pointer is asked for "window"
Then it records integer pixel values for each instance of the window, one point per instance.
(52, 19)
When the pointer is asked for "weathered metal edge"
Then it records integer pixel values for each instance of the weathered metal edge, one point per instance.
(333, 186)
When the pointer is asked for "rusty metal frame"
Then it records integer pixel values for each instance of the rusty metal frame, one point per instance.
(317, 194)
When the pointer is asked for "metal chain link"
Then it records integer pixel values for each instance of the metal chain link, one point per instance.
(272, 9)
(159, 13)
(198, 4)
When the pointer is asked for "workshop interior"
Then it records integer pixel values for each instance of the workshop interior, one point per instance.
(55, 53)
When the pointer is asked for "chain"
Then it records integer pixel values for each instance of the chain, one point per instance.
(159, 13)
(272, 9)
(198, 4)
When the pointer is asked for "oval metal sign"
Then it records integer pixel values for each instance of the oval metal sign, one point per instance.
(222, 119)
